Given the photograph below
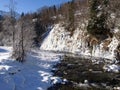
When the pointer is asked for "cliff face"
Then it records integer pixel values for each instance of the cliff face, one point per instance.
(80, 42)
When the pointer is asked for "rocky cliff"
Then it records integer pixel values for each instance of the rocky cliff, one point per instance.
(81, 42)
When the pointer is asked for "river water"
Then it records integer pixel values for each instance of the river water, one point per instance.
(85, 73)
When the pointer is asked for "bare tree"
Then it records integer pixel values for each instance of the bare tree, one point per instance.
(24, 38)
(7, 31)
(13, 21)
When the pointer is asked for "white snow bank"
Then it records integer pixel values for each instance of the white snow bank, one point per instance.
(34, 74)
(112, 68)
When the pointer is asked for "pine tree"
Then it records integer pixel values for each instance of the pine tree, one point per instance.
(97, 25)
(71, 26)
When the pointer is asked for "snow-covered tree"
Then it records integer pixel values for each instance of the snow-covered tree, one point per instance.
(97, 25)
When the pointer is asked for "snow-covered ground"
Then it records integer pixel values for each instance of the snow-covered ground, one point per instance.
(34, 74)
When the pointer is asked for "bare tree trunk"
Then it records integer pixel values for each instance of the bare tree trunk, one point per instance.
(22, 44)
(13, 38)
(12, 13)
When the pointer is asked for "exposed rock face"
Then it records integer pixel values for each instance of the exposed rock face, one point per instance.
(80, 42)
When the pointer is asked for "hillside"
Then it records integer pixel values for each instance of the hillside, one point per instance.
(60, 40)
(76, 38)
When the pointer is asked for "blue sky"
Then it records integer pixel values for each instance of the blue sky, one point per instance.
(29, 5)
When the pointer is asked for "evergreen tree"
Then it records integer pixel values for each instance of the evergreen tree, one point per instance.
(97, 25)
(71, 26)
(22, 14)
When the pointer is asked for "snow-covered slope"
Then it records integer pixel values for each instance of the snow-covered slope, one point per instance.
(34, 74)
(60, 40)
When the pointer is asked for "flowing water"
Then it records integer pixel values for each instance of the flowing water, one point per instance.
(81, 73)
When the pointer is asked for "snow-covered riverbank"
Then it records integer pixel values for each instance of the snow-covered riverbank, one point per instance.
(34, 74)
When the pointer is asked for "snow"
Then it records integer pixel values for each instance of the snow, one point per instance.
(78, 13)
(34, 74)
(112, 68)
(116, 88)
(59, 39)
(113, 15)
(116, 30)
